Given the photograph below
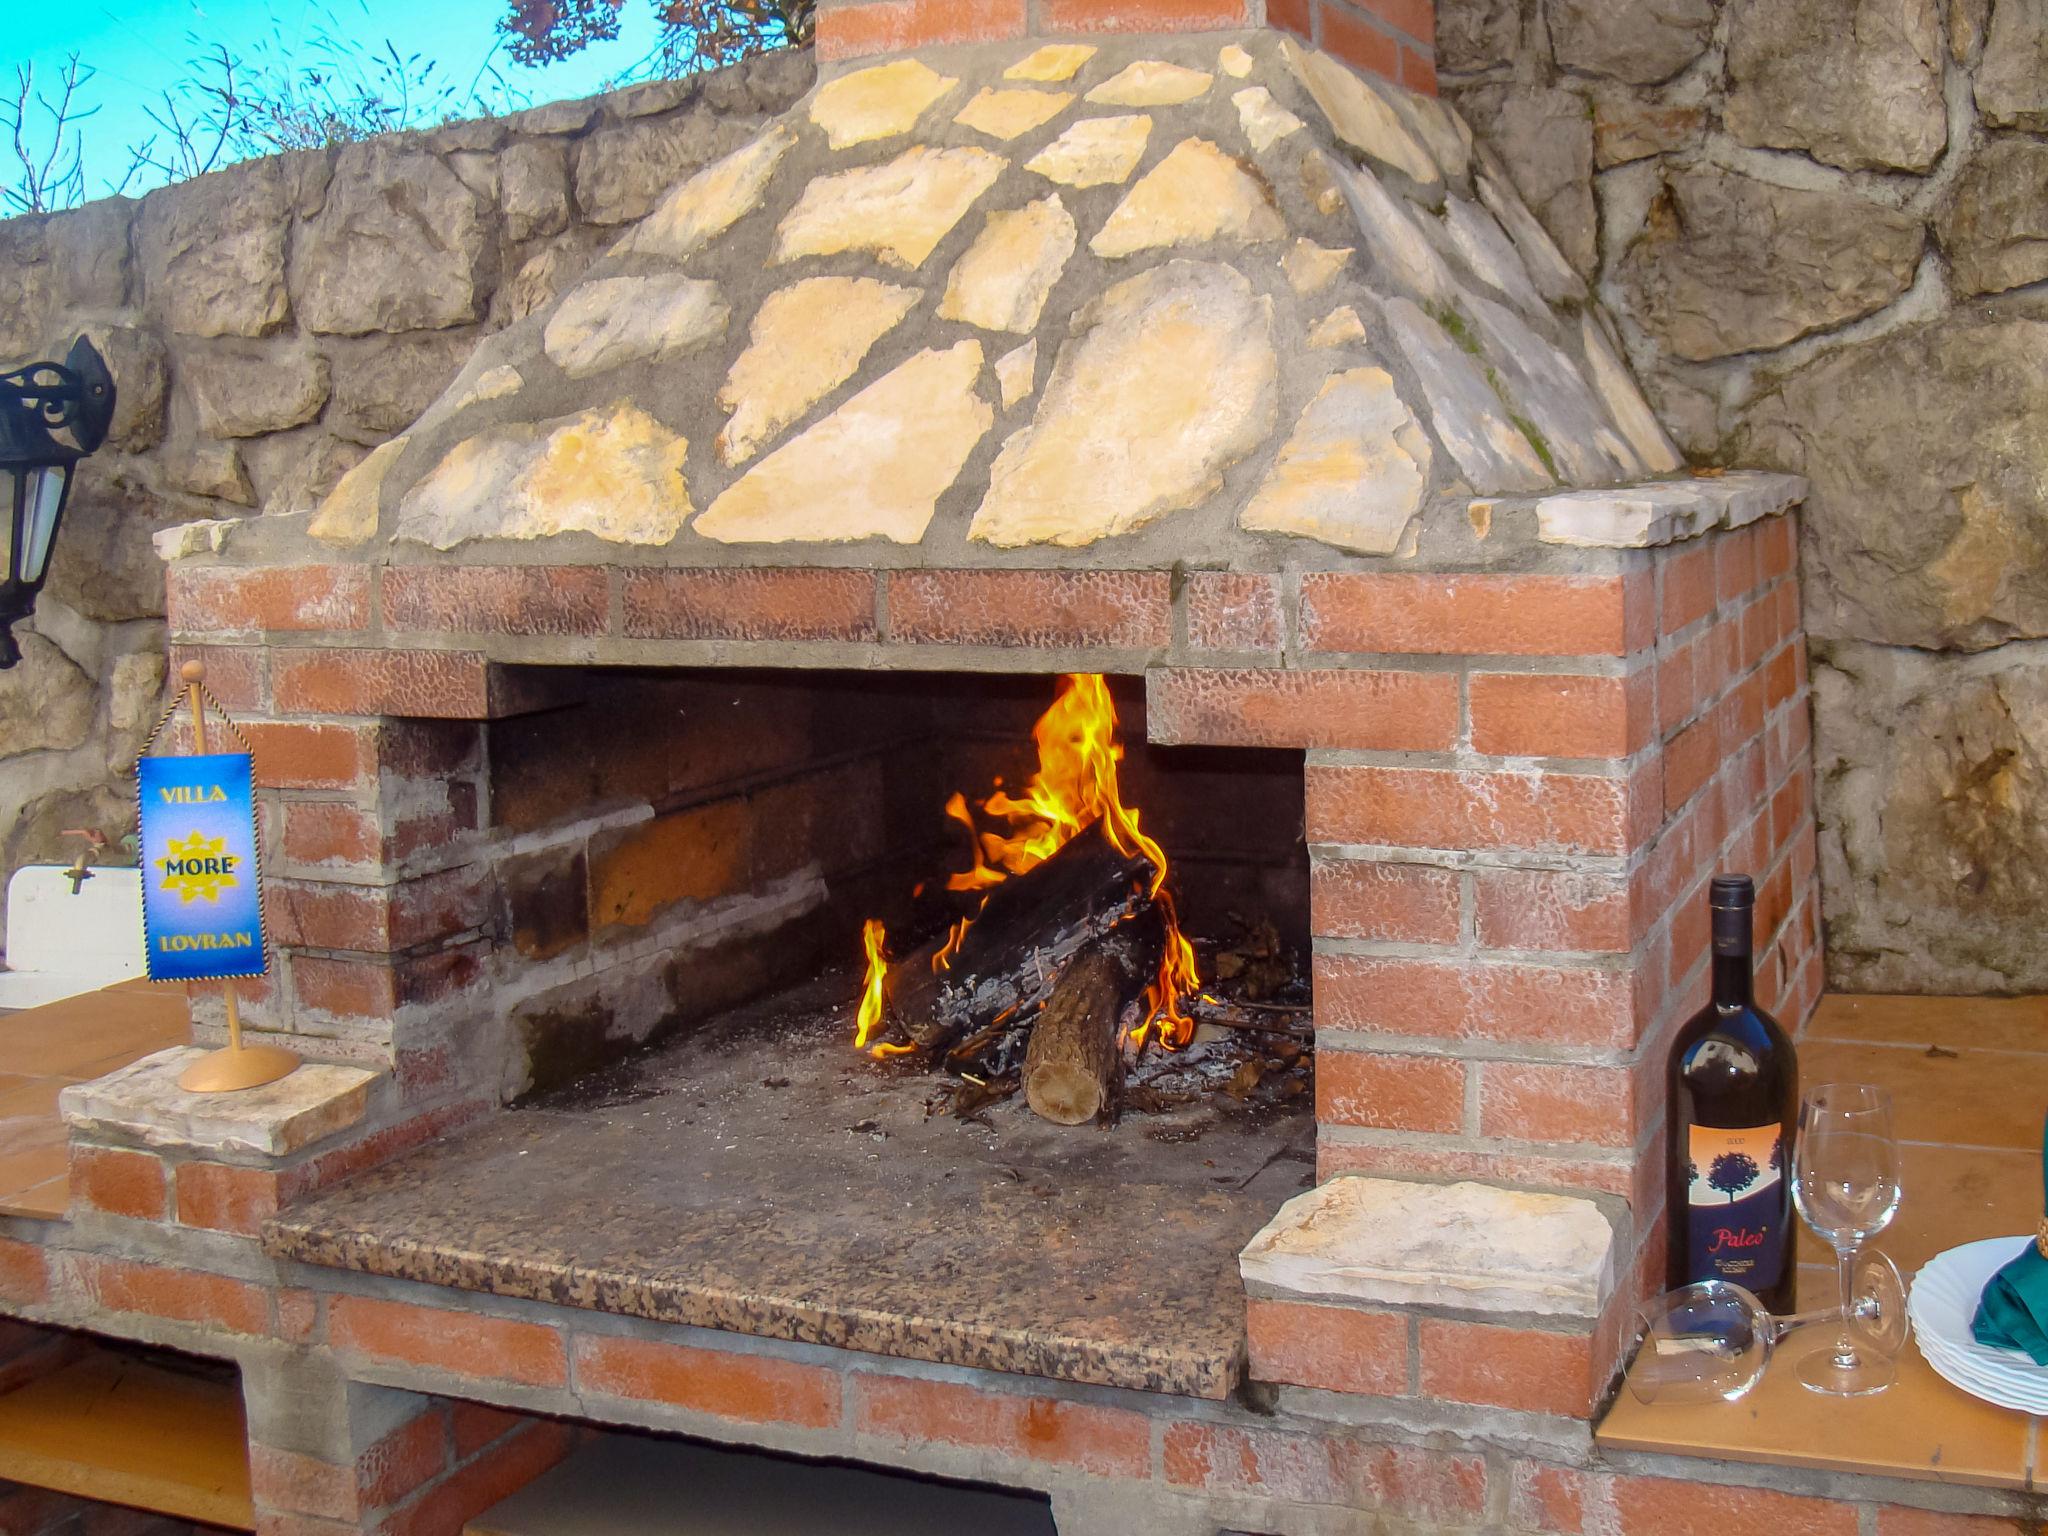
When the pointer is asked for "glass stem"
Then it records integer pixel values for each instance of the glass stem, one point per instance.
(1845, 1263)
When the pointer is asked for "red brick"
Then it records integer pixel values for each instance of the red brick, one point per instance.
(396, 1466)
(1131, 609)
(1781, 676)
(346, 989)
(24, 1274)
(1690, 761)
(1548, 1499)
(1358, 40)
(298, 1315)
(1232, 612)
(1895, 1520)
(183, 1295)
(1501, 1367)
(1290, 16)
(1777, 547)
(486, 599)
(1524, 714)
(1557, 1102)
(308, 756)
(1735, 564)
(220, 599)
(1141, 15)
(1251, 707)
(292, 1483)
(225, 1198)
(117, 1182)
(476, 1425)
(1470, 809)
(1390, 1093)
(1416, 19)
(1418, 71)
(451, 1503)
(330, 833)
(1468, 1000)
(466, 1343)
(234, 675)
(1677, 690)
(1555, 910)
(1685, 588)
(1338, 1349)
(1109, 1442)
(1435, 1487)
(753, 1389)
(1476, 615)
(437, 685)
(889, 26)
(1663, 1506)
(1392, 903)
(749, 605)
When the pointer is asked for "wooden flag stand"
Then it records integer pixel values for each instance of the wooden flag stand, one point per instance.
(235, 1065)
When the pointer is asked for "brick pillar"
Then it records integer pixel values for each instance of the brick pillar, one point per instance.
(1395, 39)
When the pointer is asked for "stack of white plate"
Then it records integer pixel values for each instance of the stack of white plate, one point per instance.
(1944, 1299)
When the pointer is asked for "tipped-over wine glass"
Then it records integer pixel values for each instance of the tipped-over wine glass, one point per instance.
(1845, 1182)
(1712, 1341)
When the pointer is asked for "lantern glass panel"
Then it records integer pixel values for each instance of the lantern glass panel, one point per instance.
(43, 501)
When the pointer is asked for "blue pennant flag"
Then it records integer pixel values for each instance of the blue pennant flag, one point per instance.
(202, 896)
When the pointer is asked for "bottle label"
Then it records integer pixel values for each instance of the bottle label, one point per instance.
(1735, 1206)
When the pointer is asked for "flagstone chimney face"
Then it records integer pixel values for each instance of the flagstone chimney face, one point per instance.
(1394, 39)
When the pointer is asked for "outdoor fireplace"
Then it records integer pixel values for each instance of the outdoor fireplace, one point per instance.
(607, 720)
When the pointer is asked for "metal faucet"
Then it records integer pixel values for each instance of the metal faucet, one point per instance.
(94, 840)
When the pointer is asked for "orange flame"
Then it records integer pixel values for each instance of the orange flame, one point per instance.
(872, 937)
(1075, 787)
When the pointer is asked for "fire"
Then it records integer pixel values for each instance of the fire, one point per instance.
(872, 938)
(1074, 788)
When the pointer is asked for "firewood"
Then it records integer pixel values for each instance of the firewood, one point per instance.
(1032, 925)
(1073, 1067)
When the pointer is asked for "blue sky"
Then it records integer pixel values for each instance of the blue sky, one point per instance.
(141, 48)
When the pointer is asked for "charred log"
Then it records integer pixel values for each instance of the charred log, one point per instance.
(1011, 959)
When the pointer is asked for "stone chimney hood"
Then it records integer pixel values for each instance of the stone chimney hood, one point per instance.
(1133, 302)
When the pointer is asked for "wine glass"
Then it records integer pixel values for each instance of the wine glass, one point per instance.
(1845, 1182)
(1712, 1341)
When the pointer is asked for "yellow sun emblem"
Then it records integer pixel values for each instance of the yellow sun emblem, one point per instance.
(199, 868)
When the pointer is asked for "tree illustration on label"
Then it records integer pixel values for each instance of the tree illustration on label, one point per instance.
(1732, 1173)
(1778, 1157)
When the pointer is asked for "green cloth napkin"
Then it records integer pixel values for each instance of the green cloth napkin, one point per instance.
(2014, 1311)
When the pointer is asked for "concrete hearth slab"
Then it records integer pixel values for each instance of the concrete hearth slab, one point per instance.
(761, 1176)
(143, 1101)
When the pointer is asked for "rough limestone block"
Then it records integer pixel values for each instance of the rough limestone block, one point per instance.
(1151, 83)
(1002, 282)
(1196, 195)
(1006, 114)
(877, 103)
(1354, 470)
(1665, 511)
(1467, 1246)
(1094, 152)
(1359, 115)
(807, 340)
(712, 201)
(898, 211)
(1052, 63)
(143, 1101)
(1264, 120)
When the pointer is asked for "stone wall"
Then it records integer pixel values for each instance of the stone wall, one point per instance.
(267, 325)
(1825, 225)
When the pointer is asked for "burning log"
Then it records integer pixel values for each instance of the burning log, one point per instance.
(1074, 1065)
(1011, 958)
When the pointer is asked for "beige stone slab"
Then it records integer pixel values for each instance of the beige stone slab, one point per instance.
(1359, 114)
(1310, 267)
(1625, 402)
(877, 103)
(1664, 511)
(1002, 281)
(700, 210)
(1006, 114)
(806, 340)
(1470, 419)
(347, 517)
(874, 468)
(1341, 327)
(1982, 1023)
(1235, 62)
(1151, 83)
(1017, 374)
(1264, 120)
(1052, 63)
(1471, 1246)
(1196, 195)
(1352, 473)
(898, 211)
(613, 321)
(614, 472)
(1097, 151)
(143, 1101)
(1170, 379)
(1401, 250)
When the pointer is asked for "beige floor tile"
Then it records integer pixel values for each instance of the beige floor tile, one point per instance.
(46, 1201)
(24, 1169)
(62, 1038)
(1952, 1195)
(1957, 1023)
(1921, 1428)
(1973, 1098)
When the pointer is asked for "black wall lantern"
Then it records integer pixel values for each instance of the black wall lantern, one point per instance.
(51, 416)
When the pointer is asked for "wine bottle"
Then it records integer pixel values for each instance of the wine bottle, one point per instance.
(1734, 1104)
